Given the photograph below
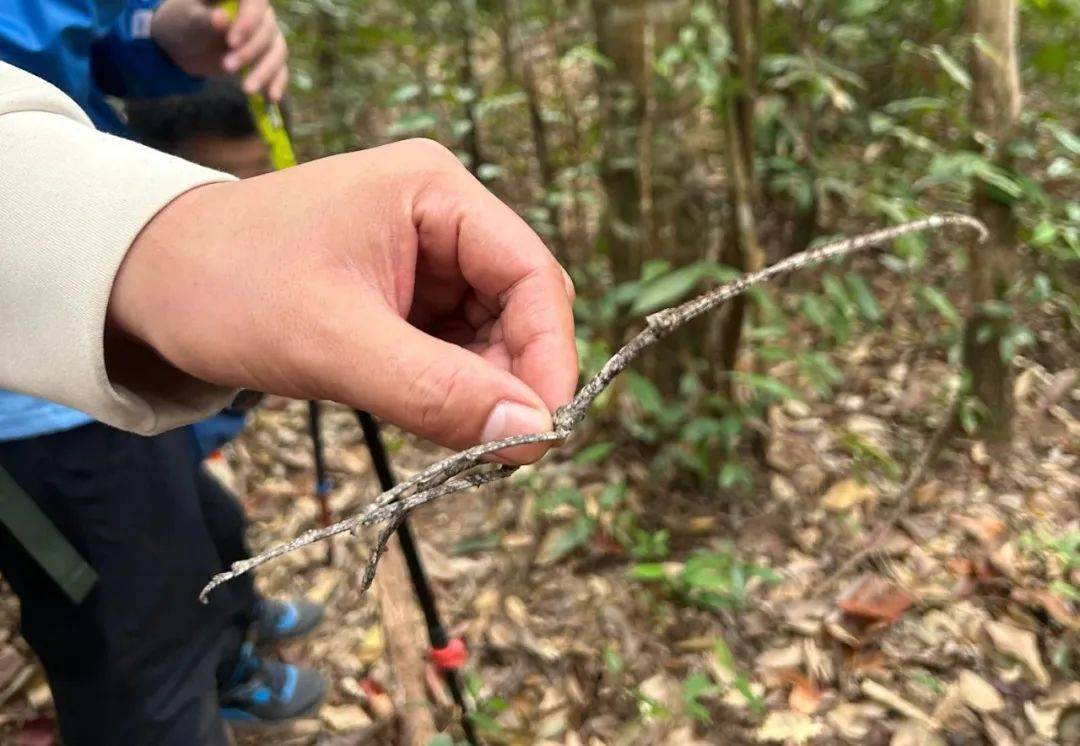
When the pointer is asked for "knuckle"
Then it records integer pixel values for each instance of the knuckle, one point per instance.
(426, 150)
(434, 392)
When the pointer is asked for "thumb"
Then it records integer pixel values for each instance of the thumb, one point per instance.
(446, 393)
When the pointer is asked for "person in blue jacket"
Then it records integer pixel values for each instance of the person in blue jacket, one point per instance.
(140, 661)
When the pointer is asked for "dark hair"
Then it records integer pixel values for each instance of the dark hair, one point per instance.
(219, 108)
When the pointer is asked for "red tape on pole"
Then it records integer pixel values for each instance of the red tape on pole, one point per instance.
(451, 657)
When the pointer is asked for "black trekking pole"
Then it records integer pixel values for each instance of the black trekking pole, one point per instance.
(448, 654)
(322, 480)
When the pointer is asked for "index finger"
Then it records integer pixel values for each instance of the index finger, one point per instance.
(248, 18)
(499, 255)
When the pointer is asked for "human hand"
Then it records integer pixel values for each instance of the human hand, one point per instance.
(388, 279)
(202, 38)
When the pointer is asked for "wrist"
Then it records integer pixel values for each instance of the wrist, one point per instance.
(142, 297)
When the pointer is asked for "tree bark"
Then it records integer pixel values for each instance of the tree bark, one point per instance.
(471, 140)
(741, 249)
(578, 186)
(995, 110)
(514, 21)
(619, 38)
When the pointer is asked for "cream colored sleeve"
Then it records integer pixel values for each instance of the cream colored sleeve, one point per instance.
(72, 200)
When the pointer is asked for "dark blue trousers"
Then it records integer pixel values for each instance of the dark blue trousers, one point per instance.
(138, 661)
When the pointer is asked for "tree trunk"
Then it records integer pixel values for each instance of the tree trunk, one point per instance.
(537, 126)
(647, 129)
(742, 250)
(742, 23)
(471, 140)
(995, 109)
(578, 186)
(619, 37)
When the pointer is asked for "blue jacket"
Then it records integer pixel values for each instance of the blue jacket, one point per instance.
(89, 49)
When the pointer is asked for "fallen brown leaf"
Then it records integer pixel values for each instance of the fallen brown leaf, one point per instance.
(1020, 644)
(345, 718)
(873, 597)
(853, 720)
(997, 733)
(986, 529)
(11, 662)
(978, 693)
(846, 494)
(894, 701)
(1044, 721)
(915, 734)
(805, 696)
(789, 727)
(1049, 602)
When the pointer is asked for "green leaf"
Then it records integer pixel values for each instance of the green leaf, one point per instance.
(489, 171)
(722, 655)
(942, 305)
(562, 496)
(405, 93)
(648, 572)
(906, 105)
(594, 453)
(742, 685)
(668, 289)
(1066, 590)
(860, 8)
(864, 299)
(694, 688)
(707, 573)
(766, 385)
(1068, 140)
(951, 67)
(733, 473)
(612, 495)
(443, 739)
(1041, 288)
(813, 308)
(645, 393)
(1045, 232)
(701, 429)
(612, 660)
(586, 53)
(836, 291)
(412, 123)
(570, 538)
(478, 543)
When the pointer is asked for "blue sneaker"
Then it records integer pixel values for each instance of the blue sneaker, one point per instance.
(285, 620)
(266, 691)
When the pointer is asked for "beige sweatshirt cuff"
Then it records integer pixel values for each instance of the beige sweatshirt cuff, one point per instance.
(72, 200)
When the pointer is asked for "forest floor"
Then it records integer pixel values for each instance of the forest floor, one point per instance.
(947, 616)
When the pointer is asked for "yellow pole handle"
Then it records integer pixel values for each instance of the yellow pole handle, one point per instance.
(268, 120)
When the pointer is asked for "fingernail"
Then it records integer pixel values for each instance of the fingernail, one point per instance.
(229, 63)
(512, 418)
